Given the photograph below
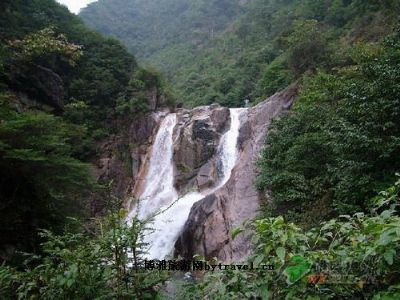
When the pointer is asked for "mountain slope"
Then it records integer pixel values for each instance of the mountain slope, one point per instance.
(147, 27)
(169, 35)
(258, 48)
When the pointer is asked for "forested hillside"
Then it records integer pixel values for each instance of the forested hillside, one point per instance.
(168, 35)
(62, 88)
(257, 47)
(150, 26)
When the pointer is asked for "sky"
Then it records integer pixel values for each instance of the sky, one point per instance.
(75, 5)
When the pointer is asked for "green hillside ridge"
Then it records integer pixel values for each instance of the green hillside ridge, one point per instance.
(250, 56)
(149, 26)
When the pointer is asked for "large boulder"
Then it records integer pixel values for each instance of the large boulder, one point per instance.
(211, 214)
(196, 140)
(44, 88)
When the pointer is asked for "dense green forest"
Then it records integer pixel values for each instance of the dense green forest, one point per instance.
(329, 165)
(248, 57)
(62, 88)
(150, 26)
(340, 143)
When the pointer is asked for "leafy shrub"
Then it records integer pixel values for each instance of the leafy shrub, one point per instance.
(340, 144)
(351, 257)
(306, 46)
(275, 77)
(107, 265)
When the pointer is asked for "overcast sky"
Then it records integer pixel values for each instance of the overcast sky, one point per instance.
(75, 5)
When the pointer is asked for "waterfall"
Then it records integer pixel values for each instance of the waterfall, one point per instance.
(159, 192)
(227, 150)
(159, 183)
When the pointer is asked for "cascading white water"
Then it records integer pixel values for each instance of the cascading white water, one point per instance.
(159, 192)
(159, 183)
(168, 225)
(227, 150)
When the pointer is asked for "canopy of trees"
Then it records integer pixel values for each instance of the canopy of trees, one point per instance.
(229, 51)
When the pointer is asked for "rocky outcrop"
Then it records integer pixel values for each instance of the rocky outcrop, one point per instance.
(50, 85)
(156, 100)
(43, 87)
(208, 229)
(123, 158)
(196, 139)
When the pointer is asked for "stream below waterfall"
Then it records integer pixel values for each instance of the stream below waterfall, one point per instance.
(159, 194)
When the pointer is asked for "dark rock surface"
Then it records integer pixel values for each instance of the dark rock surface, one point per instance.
(38, 82)
(123, 158)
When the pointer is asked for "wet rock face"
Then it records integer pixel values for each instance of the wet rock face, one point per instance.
(196, 139)
(207, 231)
(202, 131)
(124, 157)
(207, 175)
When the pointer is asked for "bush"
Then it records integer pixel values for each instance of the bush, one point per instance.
(276, 77)
(352, 257)
(106, 265)
(307, 46)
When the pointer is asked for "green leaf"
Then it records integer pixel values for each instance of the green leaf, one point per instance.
(385, 238)
(281, 252)
(70, 282)
(263, 292)
(258, 260)
(236, 232)
(388, 256)
(298, 269)
(123, 213)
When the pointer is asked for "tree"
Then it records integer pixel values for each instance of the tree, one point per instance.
(45, 46)
(102, 261)
(41, 181)
(306, 46)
